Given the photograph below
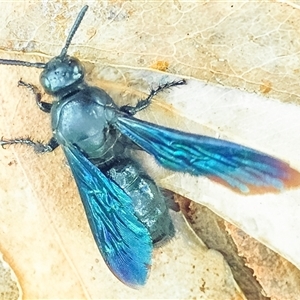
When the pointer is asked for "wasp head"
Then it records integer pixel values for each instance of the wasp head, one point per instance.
(61, 74)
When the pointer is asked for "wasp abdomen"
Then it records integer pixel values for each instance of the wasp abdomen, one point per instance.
(148, 202)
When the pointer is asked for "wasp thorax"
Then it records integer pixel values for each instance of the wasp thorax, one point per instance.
(61, 73)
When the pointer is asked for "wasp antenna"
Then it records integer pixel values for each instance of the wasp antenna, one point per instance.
(22, 63)
(73, 30)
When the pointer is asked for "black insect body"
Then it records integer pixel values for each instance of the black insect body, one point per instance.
(92, 112)
(83, 116)
(125, 209)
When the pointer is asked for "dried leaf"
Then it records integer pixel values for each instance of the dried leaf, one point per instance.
(236, 44)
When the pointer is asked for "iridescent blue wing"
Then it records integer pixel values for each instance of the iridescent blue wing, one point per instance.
(122, 239)
(240, 168)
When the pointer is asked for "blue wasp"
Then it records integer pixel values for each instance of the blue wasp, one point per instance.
(127, 212)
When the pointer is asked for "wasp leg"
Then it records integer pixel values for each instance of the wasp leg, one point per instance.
(37, 146)
(44, 106)
(142, 104)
